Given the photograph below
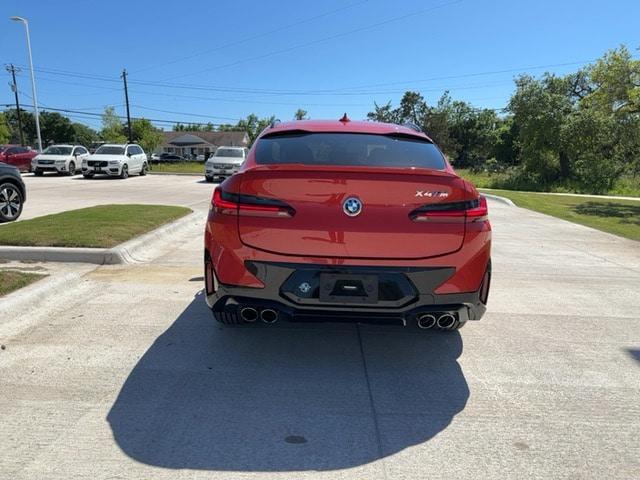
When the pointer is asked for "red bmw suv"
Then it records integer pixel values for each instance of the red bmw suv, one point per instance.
(347, 221)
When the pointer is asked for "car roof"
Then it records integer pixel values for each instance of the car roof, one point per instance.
(348, 126)
(118, 144)
(234, 148)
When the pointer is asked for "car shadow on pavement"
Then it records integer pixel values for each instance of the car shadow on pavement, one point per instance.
(286, 397)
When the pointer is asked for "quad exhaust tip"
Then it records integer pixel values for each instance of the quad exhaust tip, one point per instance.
(446, 321)
(249, 314)
(269, 315)
(426, 321)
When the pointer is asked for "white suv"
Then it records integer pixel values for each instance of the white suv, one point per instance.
(224, 163)
(116, 161)
(62, 159)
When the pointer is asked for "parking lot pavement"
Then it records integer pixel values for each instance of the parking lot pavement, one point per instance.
(123, 374)
(54, 194)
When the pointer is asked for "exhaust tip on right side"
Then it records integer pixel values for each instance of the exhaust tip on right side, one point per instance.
(446, 321)
(269, 315)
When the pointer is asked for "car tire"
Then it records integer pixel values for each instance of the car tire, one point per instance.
(145, 169)
(72, 169)
(38, 173)
(124, 173)
(208, 179)
(11, 202)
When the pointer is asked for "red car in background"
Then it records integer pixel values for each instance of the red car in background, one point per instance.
(347, 221)
(17, 156)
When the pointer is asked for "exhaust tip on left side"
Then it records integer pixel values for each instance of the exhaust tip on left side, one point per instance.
(426, 321)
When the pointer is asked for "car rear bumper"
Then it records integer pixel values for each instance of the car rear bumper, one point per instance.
(404, 293)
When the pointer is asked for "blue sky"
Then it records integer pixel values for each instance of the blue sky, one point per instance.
(219, 61)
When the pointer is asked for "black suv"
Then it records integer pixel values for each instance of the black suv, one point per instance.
(13, 193)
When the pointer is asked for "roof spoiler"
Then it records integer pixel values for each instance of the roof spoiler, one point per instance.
(412, 126)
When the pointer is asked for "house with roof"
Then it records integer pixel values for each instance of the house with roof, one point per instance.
(190, 143)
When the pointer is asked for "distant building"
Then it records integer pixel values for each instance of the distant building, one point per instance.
(188, 144)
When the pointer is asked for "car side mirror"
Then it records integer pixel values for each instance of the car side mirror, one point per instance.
(129, 154)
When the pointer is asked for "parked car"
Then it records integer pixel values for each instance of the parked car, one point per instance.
(224, 163)
(116, 161)
(62, 159)
(347, 221)
(17, 156)
(170, 157)
(13, 193)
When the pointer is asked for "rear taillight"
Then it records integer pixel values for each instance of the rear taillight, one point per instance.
(249, 205)
(471, 211)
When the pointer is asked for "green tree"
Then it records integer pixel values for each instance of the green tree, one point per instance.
(147, 135)
(254, 125)
(301, 115)
(5, 131)
(83, 135)
(28, 126)
(596, 155)
(112, 128)
(540, 109)
(194, 127)
(55, 128)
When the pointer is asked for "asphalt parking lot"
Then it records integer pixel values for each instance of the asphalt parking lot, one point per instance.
(121, 372)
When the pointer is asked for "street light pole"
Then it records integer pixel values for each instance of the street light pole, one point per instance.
(33, 79)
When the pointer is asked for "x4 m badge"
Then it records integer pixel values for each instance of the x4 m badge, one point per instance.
(428, 194)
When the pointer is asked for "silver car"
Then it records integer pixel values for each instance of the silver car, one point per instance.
(224, 163)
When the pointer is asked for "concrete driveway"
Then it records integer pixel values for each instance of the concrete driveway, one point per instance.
(124, 374)
(54, 194)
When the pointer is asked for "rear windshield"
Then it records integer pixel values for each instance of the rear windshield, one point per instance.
(350, 149)
(228, 152)
(107, 150)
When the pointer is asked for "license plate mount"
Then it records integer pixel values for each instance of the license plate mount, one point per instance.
(348, 288)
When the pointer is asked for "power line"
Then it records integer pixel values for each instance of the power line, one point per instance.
(322, 40)
(184, 113)
(341, 91)
(248, 39)
(121, 117)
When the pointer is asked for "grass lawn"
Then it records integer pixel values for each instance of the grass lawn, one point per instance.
(11, 280)
(620, 217)
(178, 167)
(103, 226)
(626, 186)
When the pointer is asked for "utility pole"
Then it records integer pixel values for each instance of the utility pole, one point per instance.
(12, 69)
(126, 98)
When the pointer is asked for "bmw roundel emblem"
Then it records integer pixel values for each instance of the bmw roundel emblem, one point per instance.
(352, 206)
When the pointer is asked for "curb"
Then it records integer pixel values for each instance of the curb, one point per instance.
(185, 174)
(32, 295)
(131, 251)
(497, 198)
